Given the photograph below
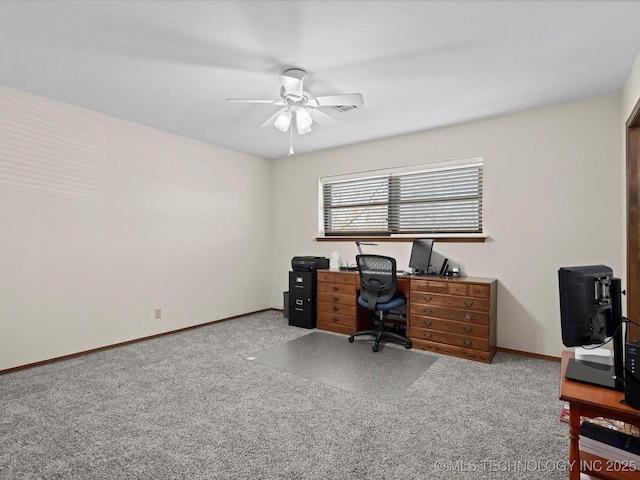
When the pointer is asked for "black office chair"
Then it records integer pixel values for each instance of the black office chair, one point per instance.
(378, 293)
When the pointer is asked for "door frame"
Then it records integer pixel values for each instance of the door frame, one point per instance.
(633, 220)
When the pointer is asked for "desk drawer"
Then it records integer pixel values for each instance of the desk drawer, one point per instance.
(475, 290)
(464, 341)
(334, 277)
(435, 311)
(468, 353)
(336, 327)
(468, 303)
(452, 287)
(337, 308)
(434, 286)
(341, 288)
(345, 299)
(450, 326)
(337, 319)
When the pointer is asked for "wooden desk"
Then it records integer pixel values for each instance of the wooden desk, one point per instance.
(453, 316)
(592, 401)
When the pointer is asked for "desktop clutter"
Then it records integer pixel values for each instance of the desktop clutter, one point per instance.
(424, 261)
(300, 301)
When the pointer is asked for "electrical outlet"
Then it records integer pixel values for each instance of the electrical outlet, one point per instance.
(158, 313)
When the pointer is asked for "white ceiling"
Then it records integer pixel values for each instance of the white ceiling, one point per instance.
(418, 64)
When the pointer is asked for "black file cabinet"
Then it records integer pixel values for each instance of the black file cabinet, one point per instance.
(302, 299)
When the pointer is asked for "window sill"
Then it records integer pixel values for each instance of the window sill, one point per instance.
(461, 238)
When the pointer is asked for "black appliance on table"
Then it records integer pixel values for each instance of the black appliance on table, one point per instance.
(302, 290)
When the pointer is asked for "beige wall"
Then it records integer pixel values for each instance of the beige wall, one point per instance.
(551, 199)
(104, 220)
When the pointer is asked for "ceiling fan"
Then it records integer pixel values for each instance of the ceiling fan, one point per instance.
(299, 102)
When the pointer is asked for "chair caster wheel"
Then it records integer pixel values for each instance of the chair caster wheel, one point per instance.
(407, 347)
(374, 348)
(351, 339)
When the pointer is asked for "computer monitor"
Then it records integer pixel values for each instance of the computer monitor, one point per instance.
(591, 311)
(439, 264)
(421, 255)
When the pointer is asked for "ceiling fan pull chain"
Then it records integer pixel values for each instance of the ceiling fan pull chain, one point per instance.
(291, 147)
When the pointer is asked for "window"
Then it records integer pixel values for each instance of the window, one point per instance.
(422, 200)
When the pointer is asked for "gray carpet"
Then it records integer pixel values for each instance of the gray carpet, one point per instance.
(191, 406)
(330, 359)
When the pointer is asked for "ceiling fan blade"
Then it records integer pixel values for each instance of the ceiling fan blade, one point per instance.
(271, 120)
(292, 85)
(321, 118)
(246, 100)
(354, 99)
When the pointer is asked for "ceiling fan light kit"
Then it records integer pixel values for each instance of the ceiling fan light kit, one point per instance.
(283, 121)
(306, 108)
(303, 121)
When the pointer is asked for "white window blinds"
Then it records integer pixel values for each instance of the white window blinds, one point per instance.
(357, 206)
(437, 200)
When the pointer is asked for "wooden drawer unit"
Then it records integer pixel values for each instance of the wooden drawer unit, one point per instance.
(336, 301)
(454, 316)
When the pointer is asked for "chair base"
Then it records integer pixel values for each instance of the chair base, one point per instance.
(381, 334)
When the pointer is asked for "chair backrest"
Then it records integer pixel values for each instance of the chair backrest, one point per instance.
(378, 281)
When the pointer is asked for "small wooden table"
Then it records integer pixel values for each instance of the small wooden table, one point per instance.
(592, 401)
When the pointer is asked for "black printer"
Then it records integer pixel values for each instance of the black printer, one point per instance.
(309, 264)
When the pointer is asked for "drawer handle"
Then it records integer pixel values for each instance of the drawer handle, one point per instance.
(468, 329)
(468, 316)
(428, 311)
(427, 323)
(335, 319)
(427, 336)
(468, 303)
(336, 288)
(335, 308)
(335, 299)
(428, 298)
(468, 343)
